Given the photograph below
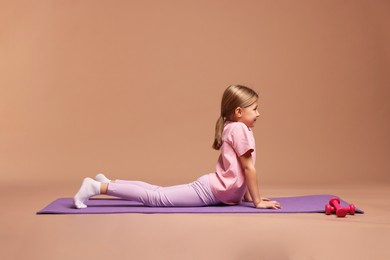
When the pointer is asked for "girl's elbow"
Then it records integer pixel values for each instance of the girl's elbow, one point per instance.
(249, 170)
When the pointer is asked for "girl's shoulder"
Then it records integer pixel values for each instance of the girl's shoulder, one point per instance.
(234, 127)
(236, 133)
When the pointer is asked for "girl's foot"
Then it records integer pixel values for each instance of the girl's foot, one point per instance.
(101, 178)
(88, 188)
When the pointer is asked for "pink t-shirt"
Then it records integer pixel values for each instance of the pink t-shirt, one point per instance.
(228, 183)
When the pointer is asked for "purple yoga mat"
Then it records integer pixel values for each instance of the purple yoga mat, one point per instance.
(301, 204)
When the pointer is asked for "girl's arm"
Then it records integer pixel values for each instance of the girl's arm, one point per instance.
(253, 187)
(247, 196)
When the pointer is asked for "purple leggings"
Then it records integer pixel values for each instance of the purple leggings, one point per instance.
(194, 194)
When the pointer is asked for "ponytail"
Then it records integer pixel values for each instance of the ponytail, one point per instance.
(218, 133)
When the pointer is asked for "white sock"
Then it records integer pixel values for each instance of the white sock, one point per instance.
(88, 188)
(101, 178)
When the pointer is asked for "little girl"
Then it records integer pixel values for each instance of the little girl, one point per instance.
(233, 181)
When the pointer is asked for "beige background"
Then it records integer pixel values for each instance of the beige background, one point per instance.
(132, 89)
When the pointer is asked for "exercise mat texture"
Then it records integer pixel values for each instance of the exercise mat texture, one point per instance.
(300, 204)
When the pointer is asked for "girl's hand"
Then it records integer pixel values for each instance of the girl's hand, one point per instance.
(268, 204)
(266, 199)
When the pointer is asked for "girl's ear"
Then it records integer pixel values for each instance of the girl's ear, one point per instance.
(238, 112)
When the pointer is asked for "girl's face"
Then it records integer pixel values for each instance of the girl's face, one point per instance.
(247, 115)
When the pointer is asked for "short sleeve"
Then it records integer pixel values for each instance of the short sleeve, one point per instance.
(242, 139)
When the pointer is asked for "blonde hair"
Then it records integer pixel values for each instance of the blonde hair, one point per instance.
(234, 96)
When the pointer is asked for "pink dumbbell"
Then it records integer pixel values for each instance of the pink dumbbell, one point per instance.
(334, 206)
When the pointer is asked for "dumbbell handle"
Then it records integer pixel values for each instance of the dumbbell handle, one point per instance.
(340, 211)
